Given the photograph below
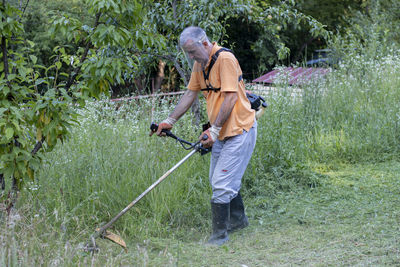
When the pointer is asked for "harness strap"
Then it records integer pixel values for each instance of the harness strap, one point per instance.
(210, 88)
(206, 75)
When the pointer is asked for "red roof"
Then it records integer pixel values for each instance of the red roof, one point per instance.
(295, 75)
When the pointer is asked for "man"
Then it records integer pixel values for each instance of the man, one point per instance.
(233, 130)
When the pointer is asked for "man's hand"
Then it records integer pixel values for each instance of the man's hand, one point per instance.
(212, 134)
(165, 124)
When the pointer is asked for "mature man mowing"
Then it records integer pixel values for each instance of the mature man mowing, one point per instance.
(233, 127)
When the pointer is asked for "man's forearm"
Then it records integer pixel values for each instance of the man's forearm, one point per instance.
(184, 104)
(226, 108)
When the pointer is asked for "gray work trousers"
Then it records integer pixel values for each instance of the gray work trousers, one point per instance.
(229, 160)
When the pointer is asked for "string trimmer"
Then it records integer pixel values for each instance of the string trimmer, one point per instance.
(103, 232)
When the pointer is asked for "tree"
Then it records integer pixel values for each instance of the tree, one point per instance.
(271, 32)
(31, 123)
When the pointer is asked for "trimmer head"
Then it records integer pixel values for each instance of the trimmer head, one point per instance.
(114, 238)
(93, 248)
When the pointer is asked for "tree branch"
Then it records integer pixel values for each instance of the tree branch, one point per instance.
(300, 51)
(4, 50)
(23, 10)
(71, 78)
(5, 58)
(76, 71)
(172, 58)
(2, 182)
(37, 146)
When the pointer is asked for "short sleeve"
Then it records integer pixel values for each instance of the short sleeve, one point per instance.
(229, 75)
(194, 82)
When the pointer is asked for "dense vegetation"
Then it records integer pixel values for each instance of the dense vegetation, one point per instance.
(56, 89)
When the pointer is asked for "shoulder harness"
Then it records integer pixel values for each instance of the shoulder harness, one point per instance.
(206, 75)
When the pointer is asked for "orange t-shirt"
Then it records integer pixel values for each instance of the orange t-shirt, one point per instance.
(225, 75)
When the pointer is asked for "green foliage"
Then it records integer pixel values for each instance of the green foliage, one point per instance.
(167, 19)
(37, 21)
(270, 33)
(304, 136)
(108, 133)
(9, 23)
(371, 32)
(332, 13)
(39, 102)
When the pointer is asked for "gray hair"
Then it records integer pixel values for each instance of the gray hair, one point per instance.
(196, 34)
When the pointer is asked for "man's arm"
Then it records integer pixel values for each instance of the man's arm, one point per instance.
(180, 109)
(230, 99)
(184, 104)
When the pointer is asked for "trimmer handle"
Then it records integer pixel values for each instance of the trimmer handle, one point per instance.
(199, 147)
(154, 128)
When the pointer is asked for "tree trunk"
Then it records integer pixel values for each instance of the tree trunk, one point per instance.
(2, 182)
(303, 46)
(140, 84)
(5, 58)
(160, 75)
(5, 65)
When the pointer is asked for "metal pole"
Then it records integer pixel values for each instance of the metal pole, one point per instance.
(102, 229)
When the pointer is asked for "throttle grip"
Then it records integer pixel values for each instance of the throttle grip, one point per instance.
(153, 127)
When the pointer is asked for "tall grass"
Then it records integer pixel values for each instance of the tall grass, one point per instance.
(108, 161)
(352, 115)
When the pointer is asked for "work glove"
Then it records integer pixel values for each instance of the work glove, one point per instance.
(212, 133)
(165, 124)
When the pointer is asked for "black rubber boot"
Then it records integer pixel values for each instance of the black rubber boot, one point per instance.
(238, 219)
(220, 222)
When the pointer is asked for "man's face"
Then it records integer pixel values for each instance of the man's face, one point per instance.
(196, 51)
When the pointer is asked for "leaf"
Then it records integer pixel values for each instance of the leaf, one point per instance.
(48, 140)
(58, 64)
(34, 163)
(39, 135)
(30, 173)
(32, 44)
(33, 58)
(40, 81)
(7, 172)
(46, 120)
(139, 42)
(9, 133)
(16, 124)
